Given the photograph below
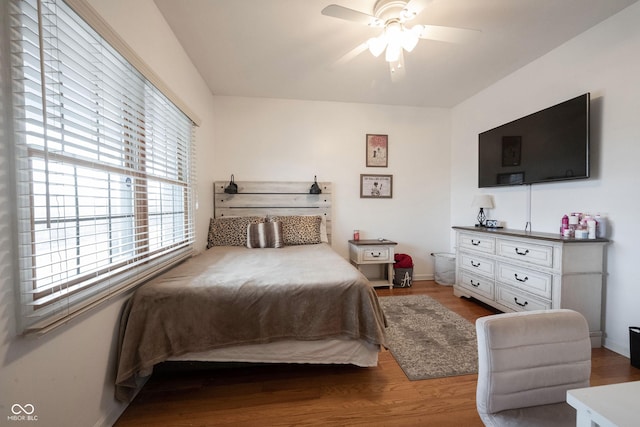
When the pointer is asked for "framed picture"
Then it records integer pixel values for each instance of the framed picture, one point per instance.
(377, 150)
(376, 186)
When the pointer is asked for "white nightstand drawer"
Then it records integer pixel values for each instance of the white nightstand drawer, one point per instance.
(477, 243)
(477, 264)
(519, 301)
(526, 252)
(376, 254)
(523, 278)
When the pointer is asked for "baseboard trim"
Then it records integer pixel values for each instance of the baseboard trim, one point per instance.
(423, 276)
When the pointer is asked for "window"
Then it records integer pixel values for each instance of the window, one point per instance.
(104, 169)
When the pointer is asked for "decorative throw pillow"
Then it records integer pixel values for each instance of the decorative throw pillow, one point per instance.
(265, 235)
(229, 230)
(299, 229)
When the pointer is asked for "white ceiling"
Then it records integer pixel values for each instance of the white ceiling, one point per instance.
(288, 49)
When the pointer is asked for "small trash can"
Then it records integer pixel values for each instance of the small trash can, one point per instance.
(402, 277)
(402, 271)
(445, 268)
(634, 345)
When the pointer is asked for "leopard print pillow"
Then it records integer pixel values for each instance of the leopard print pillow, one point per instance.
(299, 229)
(230, 230)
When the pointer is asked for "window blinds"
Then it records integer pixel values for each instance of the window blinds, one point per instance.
(104, 168)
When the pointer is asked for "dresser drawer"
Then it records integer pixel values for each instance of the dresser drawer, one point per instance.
(477, 264)
(529, 280)
(379, 254)
(477, 243)
(477, 284)
(520, 301)
(526, 252)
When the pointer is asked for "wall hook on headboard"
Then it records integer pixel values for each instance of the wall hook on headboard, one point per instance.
(232, 188)
(315, 188)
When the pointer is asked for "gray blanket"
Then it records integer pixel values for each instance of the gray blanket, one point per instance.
(233, 295)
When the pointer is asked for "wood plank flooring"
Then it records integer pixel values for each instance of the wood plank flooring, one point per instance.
(300, 395)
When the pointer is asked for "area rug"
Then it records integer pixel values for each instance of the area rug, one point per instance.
(427, 339)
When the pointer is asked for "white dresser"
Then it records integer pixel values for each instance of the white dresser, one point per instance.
(515, 271)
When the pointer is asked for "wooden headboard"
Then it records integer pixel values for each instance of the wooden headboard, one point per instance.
(273, 198)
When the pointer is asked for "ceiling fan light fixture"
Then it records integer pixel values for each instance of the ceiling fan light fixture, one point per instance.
(394, 49)
(410, 39)
(393, 30)
(393, 34)
(376, 45)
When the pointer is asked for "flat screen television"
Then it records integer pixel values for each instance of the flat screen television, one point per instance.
(546, 146)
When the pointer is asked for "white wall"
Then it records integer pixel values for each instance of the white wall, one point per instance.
(267, 139)
(68, 375)
(605, 62)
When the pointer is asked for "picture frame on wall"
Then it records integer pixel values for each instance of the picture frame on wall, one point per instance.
(377, 150)
(376, 186)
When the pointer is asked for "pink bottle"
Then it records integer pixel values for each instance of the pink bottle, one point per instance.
(565, 224)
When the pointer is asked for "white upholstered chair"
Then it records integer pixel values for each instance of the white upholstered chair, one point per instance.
(526, 363)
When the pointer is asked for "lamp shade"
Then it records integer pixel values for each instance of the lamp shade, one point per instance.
(483, 201)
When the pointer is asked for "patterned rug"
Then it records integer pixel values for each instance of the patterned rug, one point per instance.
(427, 339)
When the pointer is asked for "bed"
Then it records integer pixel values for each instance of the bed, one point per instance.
(279, 296)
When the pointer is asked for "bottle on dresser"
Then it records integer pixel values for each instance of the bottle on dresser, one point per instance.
(601, 226)
(565, 224)
(591, 227)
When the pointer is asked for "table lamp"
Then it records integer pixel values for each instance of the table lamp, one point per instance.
(482, 201)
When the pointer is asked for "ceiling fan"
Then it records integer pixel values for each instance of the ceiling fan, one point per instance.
(393, 17)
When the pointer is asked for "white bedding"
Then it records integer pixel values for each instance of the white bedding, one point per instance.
(337, 351)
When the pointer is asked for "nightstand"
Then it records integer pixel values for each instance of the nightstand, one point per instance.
(374, 251)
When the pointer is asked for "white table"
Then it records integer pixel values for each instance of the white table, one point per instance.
(614, 405)
(374, 251)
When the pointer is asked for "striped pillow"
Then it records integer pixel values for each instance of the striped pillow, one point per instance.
(265, 235)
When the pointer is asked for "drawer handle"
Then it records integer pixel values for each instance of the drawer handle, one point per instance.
(520, 304)
(473, 264)
(475, 242)
(519, 252)
(475, 285)
(519, 279)
(376, 255)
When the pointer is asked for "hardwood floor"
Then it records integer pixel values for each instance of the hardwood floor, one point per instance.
(302, 395)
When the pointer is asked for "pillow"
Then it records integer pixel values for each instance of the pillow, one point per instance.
(300, 229)
(230, 230)
(324, 237)
(265, 235)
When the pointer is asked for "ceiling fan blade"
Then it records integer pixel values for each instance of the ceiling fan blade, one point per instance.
(414, 7)
(347, 14)
(351, 54)
(448, 34)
